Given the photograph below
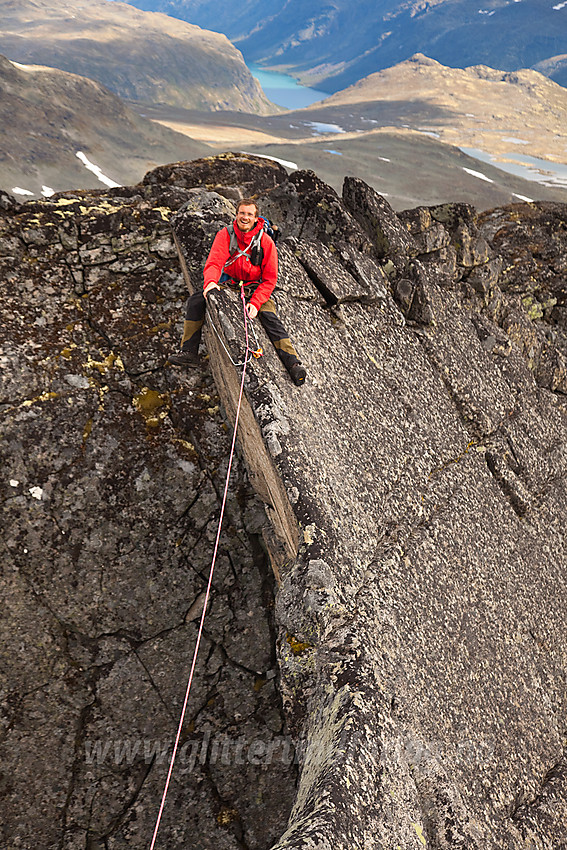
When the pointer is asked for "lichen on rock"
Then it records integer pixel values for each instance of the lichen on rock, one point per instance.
(383, 659)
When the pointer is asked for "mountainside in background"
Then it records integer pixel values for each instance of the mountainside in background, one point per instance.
(555, 68)
(333, 44)
(406, 149)
(140, 56)
(479, 107)
(47, 116)
(406, 131)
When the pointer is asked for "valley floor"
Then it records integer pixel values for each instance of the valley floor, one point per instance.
(410, 155)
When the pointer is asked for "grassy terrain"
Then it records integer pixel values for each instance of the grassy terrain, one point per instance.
(410, 170)
(401, 130)
(46, 116)
(143, 56)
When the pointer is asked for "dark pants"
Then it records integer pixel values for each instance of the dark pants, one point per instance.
(195, 318)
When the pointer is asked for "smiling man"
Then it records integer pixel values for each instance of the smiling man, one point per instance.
(241, 252)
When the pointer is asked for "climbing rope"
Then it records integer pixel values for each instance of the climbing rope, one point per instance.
(210, 581)
(256, 352)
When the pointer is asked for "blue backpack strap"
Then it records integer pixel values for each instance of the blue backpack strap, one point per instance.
(272, 230)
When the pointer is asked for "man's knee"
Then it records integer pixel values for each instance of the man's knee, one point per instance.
(267, 308)
(195, 307)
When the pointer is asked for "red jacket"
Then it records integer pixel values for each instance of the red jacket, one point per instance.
(242, 268)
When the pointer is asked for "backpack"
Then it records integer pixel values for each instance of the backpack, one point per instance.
(254, 251)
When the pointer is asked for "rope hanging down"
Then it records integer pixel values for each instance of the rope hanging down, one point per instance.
(249, 353)
(210, 581)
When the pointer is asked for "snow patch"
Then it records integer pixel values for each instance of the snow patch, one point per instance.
(514, 141)
(19, 191)
(47, 192)
(96, 171)
(337, 153)
(283, 162)
(320, 129)
(478, 174)
(523, 198)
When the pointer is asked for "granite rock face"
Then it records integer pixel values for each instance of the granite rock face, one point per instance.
(401, 680)
(114, 466)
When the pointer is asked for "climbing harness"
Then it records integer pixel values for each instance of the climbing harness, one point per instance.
(211, 571)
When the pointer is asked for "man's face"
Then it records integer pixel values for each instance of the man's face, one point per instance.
(246, 217)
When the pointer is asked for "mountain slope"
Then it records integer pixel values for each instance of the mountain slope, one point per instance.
(334, 43)
(476, 107)
(140, 56)
(554, 67)
(47, 116)
(403, 131)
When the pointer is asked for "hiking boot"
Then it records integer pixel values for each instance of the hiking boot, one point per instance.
(185, 358)
(298, 373)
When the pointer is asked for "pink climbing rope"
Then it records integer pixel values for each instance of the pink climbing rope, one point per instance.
(209, 584)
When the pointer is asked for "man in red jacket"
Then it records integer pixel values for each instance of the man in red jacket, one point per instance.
(247, 254)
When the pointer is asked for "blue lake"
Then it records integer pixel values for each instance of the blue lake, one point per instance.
(284, 90)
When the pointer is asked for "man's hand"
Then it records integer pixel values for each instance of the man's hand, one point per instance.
(209, 288)
(252, 311)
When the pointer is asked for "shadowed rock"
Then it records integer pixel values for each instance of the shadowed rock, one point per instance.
(379, 221)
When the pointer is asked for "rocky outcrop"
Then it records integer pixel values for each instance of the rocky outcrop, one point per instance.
(410, 498)
(114, 469)
(230, 175)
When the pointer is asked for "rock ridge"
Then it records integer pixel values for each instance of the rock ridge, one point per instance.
(410, 498)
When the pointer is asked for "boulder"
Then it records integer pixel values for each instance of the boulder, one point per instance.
(244, 174)
(335, 283)
(391, 239)
(305, 207)
(429, 235)
(7, 201)
(460, 221)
